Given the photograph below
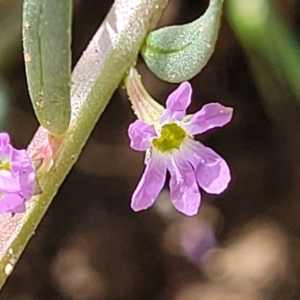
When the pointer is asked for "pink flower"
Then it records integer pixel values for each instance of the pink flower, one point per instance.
(171, 147)
(17, 177)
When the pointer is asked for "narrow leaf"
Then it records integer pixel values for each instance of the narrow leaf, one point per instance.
(267, 38)
(47, 54)
(178, 53)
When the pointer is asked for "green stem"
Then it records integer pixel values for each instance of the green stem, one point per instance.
(111, 52)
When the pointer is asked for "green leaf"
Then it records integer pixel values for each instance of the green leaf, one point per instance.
(47, 54)
(178, 53)
(268, 38)
(95, 81)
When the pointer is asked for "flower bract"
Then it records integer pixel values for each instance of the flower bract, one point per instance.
(17, 177)
(170, 146)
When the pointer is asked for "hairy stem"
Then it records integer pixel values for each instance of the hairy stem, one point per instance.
(111, 52)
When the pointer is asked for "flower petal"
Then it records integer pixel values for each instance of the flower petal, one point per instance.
(27, 181)
(212, 171)
(9, 183)
(18, 158)
(210, 116)
(141, 135)
(5, 147)
(177, 103)
(19, 155)
(4, 140)
(13, 203)
(184, 191)
(150, 184)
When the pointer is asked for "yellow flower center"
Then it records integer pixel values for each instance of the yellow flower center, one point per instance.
(4, 165)
(171, 138)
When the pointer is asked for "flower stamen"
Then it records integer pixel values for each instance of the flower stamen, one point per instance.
(5, 165)
(171, 138)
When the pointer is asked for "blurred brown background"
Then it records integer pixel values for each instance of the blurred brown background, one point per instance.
(244, 244)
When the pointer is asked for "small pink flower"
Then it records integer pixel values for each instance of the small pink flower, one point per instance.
(17, 177)
(170, 146)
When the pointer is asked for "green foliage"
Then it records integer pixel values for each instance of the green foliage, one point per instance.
(269, 43)
(47, 54)
(178, 53)
(94, 82)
